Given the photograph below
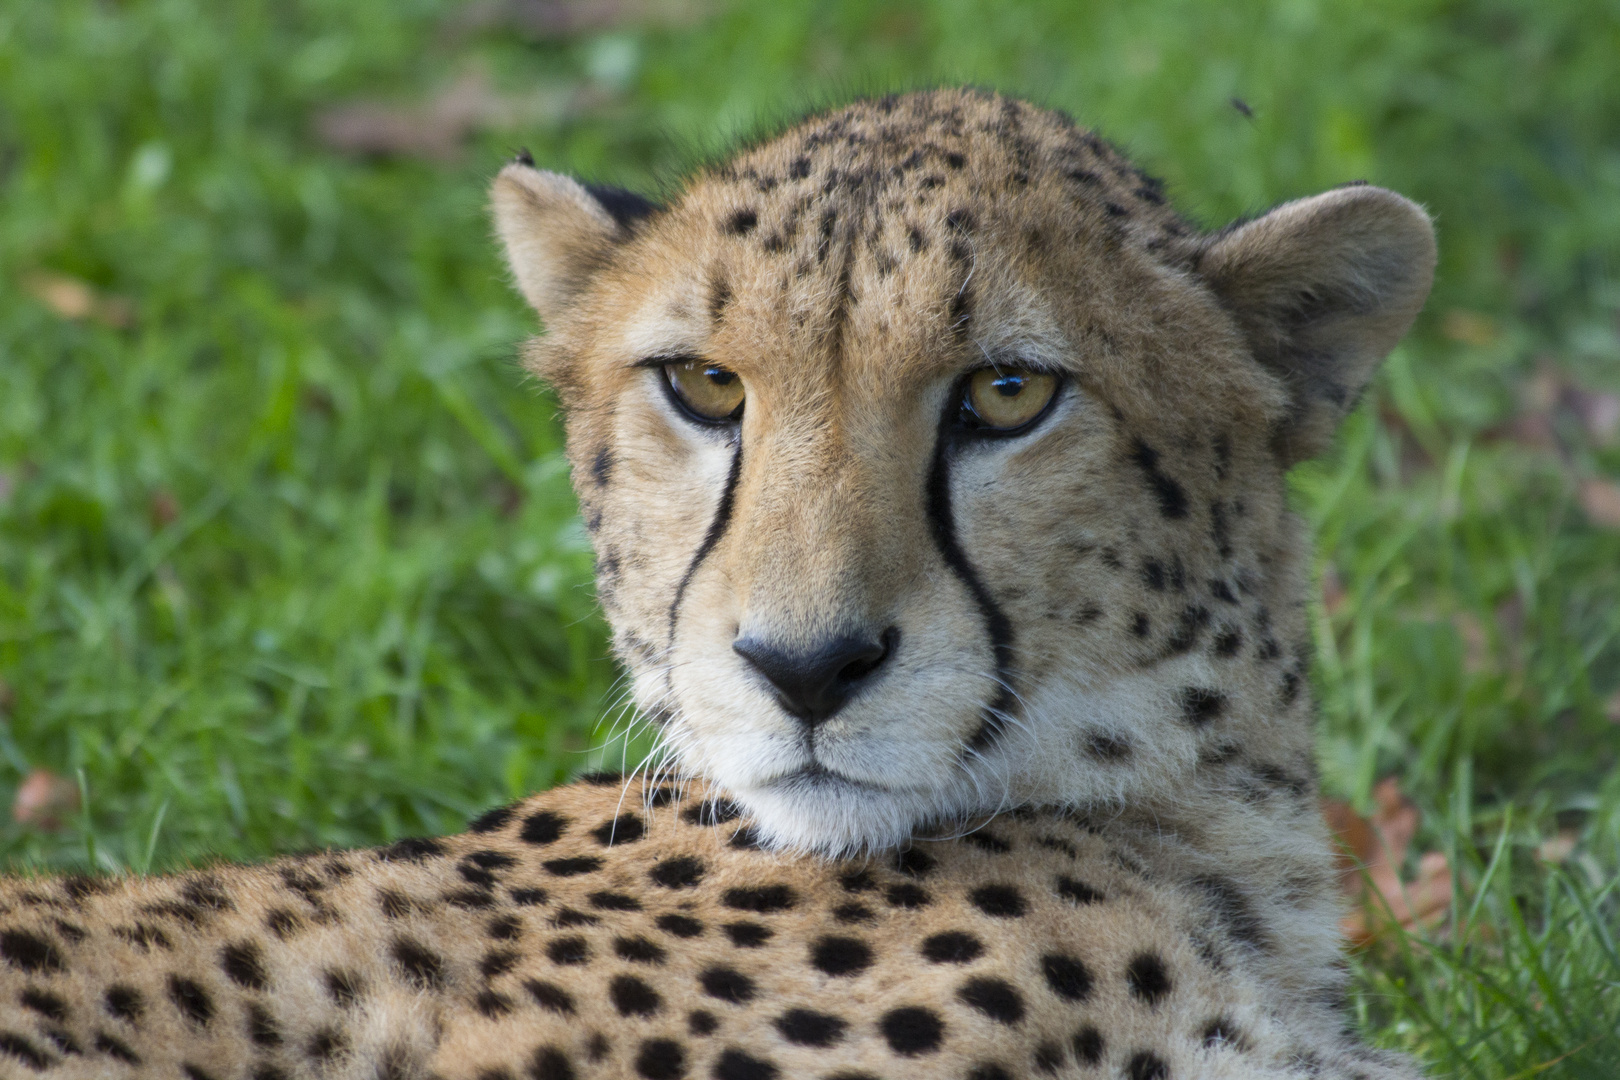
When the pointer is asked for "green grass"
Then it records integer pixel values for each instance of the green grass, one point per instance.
(289, 559)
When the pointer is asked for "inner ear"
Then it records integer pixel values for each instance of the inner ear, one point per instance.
(558, 232)
(1323, 288)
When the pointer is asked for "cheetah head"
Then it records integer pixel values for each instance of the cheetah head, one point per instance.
(934, 465)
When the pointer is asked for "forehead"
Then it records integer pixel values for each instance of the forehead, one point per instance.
(907, 234)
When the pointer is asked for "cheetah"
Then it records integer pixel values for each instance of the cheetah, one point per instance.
(935, 472)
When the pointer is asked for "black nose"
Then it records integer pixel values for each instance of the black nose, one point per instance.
(814, 683)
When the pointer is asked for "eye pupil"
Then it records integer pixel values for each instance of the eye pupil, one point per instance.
(1006, 400)
(707, 392)
(720, 376)
(1009, 385)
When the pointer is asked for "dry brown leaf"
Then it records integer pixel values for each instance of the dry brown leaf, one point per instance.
(75, 299)
(1611, 708)
(1468, 327)
(1333, 594)
(44, 800)
(437, 128)
(1599, 413)
(1601, 501)
(163, 508)
(562, 18)
(1372, 850)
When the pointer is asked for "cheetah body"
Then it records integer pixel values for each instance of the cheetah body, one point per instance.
(1095, 617)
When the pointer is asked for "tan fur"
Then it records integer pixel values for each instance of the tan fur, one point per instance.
(1102, 616)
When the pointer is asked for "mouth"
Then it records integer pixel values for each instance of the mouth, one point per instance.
(817, 777)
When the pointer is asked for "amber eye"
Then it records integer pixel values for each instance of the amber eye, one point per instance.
(1004, 399)
(709, 392)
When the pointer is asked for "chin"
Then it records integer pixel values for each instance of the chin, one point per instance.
(823, 813)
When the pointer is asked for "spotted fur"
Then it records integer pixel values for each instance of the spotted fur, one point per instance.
(1097, 620)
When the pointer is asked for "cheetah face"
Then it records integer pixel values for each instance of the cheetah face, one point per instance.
(934, 465)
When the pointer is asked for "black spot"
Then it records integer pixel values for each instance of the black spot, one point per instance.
(1048, 1057)
(64, 1042)
(192, 1072)
(661, 1059)
(840, 955)
(999, 901)
(411, 849)
(1172, 499)
(1153, 576)
(952, 947)
(492, 1005)
(1069, 978)
(491, 860)
(741, 223)
(569, 950)
(19, 1047)
(1234, 909)
(470, 899)
(193, 1001)
(702, 1022)
(914, 861)
(1192, 620)
(727, 984)
(719, 297)
(542, 827)
(602, 467)
(282, 923)
(1077, 892)
(633, 997)
(681, 872)
(1147, 978)
(912, 1030)
(857, 881)
(955, 160)
(1222, 1032)
(682, 926)
(808, 1028)
(1228, 642)
(853, 913)
(624, 829)
(491, 820)
(550, 1063)
(49, 1005)
(987, 842)
(1088, 1045)
(116, 1048)
(476, 875)
(394, 904)
(712, 812)
(1220, 590)
(601, 778)
(1199, 705)
(29, 951)
(1141, 624)
(498, 962)
(550, 996)
(344, 986)
(580, 864)
(124, 1002)
(799, 168)
(528, 897)
(614, 901)
(988, 1070)
(639, 950)
(748, 935)
(915, 238)
(244, 963)
(261, 1026)
(1107, 746)
(326, 1044)
(1290, 687)
(959, 220)
(504, 928)
(567, 917)
(1146, 1065)
(907, 895)
(736, 1065)
(761, 899)
(996, 998)
(77, 886)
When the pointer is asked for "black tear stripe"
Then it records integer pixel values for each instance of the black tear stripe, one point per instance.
(996, 624)
(717, 529)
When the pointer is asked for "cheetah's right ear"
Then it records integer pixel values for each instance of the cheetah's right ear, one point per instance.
(1323, 288)
(558, 232)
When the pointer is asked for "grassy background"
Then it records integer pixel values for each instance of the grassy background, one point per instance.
(287, 553)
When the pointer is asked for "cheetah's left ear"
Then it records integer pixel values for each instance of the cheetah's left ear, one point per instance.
(1323, 288)
(558, 232)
